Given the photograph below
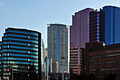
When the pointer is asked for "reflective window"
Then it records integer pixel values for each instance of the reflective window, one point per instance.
(21, 55)
(16, 62)
(33, 37)
(5, 61)
(19, 47)
(4, 54)
(11, 50)
(34, 56)
(25, 40)
(36, 64)
(23, 36)
(16, 35)
(9, 58)
(19, 43)
(34, 45)
(34, 60)
(23, 32)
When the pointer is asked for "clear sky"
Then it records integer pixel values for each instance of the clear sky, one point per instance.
(36, 14)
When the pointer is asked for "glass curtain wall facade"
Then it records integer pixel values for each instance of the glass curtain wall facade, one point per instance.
(112, 24)
(21, 49)
(58, 45)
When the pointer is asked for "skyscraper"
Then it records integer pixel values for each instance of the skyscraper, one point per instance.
(58, 45)
(104, 25)
(21, 51)
(112, 24)
(94, 26)
(79, 31)
(97, 26)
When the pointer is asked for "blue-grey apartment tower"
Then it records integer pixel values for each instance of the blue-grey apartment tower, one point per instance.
(21, 54)
(112, 24)
(58, 47)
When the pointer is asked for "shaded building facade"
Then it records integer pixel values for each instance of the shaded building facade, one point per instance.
(58, 46)
(97, 26)
(74, 60)
(103, 60)
(21, 49)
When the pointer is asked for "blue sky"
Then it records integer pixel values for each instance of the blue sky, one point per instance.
(36, 14)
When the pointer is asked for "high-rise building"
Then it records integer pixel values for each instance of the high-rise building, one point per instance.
(97, 26)
(21, 53)
(112, 24)
(94, 26)
(104, 25)
(79, 31)
(58, 46)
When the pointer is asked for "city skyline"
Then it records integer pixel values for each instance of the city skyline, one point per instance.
(59, 41)
(37, 14)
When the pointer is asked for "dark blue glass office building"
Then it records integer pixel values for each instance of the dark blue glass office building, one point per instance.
(112, 24)
(21, 49)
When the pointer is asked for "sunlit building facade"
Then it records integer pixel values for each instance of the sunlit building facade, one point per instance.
(58, 46)
(79, 32)
(112, 24)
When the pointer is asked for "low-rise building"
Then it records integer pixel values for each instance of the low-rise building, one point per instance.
(102, 60)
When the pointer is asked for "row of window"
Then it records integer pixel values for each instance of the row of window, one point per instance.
(11, 66)
(17, 66)
(23, 36)
(104, 56)
(106, 62)
(17, 62)
(19, 47)
(23, 32)
(18, 39)
(21, 55)
(105, 69)
(20, 43)
(18, 51)
(23, 59)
